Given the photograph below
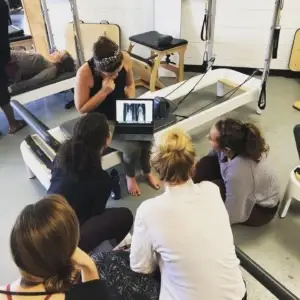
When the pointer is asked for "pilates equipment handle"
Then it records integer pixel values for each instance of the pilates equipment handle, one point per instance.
(203, 35)
(262, 276)
(276, 42)
(40, 128)
(262, 101)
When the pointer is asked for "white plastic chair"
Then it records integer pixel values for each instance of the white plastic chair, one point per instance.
(292, 192)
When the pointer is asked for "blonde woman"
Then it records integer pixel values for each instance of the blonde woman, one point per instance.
(186, 231)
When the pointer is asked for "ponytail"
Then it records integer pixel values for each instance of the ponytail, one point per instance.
(242, 139)
(255, 144)
(76, 157)
(62, 281)
(82, 153)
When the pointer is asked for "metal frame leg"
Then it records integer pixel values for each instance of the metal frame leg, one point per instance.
(220, 89)
(210, 11)
(77, 32)
(50, 36)
(29, 172)
(269, 55)
(285, 207)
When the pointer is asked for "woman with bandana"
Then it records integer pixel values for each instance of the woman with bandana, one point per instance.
(106, 77)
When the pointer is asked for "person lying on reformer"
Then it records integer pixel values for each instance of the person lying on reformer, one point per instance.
(106, 77)
(29, 69)
(238, 165)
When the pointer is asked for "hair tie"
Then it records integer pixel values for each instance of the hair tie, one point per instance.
(103, 63)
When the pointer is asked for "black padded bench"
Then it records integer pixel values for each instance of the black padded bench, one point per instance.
(60, 78)
(150, 39)
(147, 69)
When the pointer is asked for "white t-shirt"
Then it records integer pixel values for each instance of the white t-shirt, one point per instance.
(186, 232)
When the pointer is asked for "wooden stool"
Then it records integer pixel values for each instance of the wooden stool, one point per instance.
(147, 69)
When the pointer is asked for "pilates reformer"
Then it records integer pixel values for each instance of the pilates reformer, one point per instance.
(62, 82)
(251, 87)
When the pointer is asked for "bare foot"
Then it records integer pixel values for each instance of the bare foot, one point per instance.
(132, 186)
(153, 181)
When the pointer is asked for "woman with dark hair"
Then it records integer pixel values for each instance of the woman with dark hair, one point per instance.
(28, 69)
(106, 77)
(238, 165)
(79, 177)
(44, 246)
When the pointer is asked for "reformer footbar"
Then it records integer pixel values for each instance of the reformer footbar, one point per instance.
(40, 128)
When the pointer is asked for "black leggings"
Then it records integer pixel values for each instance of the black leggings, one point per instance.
(208, 169)
(112, 224)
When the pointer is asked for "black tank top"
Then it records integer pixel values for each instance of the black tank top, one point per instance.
(108, 106)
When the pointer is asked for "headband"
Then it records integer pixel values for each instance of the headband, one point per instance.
(103, 63)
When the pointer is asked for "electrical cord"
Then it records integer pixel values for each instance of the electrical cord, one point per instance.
(212, 60)
(193, 75)
(184, 82)
(231, 92)
(234, 90)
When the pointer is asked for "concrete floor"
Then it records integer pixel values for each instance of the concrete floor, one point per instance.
(276, 246)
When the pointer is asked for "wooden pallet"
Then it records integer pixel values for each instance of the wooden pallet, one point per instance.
(90, 32)
(294, 63)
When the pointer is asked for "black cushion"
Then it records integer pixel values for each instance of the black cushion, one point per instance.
(14, 31)
(61, 77)
(22, 37)
(150, 38)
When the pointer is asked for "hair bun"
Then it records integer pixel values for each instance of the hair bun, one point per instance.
(63, 279)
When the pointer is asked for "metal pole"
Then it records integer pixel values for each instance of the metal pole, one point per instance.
(262, 276)
(211, 12)
(77, 32)
(271, 52)
(208, 31)
(50, 36)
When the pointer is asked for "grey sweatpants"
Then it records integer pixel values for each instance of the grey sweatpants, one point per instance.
(132, 153)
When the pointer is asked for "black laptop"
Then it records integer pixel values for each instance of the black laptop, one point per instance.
(134, 120)
(147, 129)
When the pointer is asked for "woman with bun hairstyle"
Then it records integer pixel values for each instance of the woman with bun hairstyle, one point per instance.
(176, 231)
(238, 165)
(44, 246)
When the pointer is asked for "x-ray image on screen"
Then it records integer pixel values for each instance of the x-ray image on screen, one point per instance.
(128, 113)
(140, 112)
(134, 111)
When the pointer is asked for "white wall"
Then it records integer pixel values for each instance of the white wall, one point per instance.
(133, 16)
(242, 31)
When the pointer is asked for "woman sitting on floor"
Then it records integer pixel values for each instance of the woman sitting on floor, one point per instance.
(29, 69)
(239, 167)
(79, 177)
(185, 231)
(44, 243)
